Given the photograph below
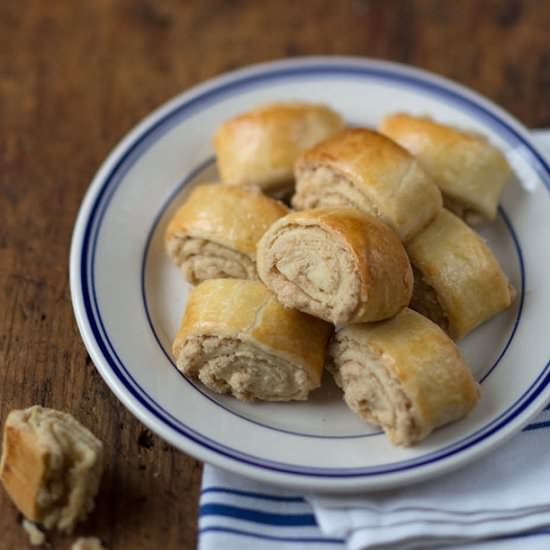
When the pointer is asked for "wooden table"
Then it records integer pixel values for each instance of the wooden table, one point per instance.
(75, 76)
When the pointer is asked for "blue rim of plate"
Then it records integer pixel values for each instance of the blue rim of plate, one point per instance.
(365, 70)
(188, 180)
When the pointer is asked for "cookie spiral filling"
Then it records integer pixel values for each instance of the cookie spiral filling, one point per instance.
(372, 392)
(233, 366)
(201, 259)
(310, 270)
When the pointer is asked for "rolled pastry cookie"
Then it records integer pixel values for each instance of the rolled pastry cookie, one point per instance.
(467, 168)
(214, 233)
(259, 147)
(404, 375)
(363, 169)
(236, 338)
(458, 281)
(339, 264)
(51, 466)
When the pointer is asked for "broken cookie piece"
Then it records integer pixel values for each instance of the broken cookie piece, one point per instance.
(36, 536)
(51, 467)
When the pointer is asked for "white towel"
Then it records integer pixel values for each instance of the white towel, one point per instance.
(500, 502)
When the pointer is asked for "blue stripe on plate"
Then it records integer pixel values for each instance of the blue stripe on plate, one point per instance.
(298, 540)
(537, 426)
(261, 496)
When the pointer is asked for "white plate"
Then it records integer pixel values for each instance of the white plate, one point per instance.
(128, 298)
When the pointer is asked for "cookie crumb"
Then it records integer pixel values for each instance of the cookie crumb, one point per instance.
(36, 536)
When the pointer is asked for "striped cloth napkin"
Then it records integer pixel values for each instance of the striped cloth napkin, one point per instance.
(498, 503)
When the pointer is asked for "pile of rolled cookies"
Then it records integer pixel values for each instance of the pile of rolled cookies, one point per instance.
(373, 273)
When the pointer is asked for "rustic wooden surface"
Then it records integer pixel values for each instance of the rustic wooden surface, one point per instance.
(75, 76)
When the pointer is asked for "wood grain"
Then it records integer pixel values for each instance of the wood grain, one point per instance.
(75, 76)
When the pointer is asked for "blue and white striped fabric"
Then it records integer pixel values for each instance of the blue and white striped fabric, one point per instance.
(497, 503)
(239, 513)
(499, 496)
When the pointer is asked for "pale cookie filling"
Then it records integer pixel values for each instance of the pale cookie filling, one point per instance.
(372, 391)
(311, 271)
(320, 186)
(200, 259)
(227, 365)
